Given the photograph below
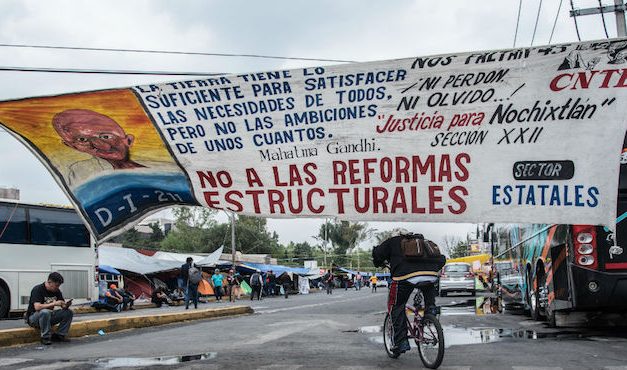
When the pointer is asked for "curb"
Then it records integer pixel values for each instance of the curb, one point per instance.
(79, 310)
(11, 337)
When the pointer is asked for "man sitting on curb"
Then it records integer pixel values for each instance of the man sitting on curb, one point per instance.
(114, 299)
(41, 313)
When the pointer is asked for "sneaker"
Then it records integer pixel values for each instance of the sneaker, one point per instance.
(46, 341)
(402, 347)
(59, 338)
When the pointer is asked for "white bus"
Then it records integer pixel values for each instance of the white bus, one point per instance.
(36, 240)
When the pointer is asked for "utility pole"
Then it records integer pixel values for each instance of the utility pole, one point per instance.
(621, 29)
(325, 242)
(618, 9)
(358, 264)
(233, 238)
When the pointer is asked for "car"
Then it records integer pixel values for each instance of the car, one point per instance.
(382, 283)
(457, 277)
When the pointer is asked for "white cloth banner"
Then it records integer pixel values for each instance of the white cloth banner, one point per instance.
(529, 135)
(303, 285)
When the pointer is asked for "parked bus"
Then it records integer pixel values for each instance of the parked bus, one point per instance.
(36, 240)
(564, 272)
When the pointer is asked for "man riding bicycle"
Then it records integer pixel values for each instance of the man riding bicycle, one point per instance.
(414, 263)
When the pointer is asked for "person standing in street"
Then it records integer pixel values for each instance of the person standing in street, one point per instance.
(358, 281)
(191, 276)
(373, 282)
(328, 282)
(256, 283)
(217, 280)
(271, 283)
(41, 313)
(286, 283)
(232, 283)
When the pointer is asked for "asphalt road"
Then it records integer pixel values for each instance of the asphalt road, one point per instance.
(340, 331)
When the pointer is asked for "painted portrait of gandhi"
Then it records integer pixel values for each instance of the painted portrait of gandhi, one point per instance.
(97, 135)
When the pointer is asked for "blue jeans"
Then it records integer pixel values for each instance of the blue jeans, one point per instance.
(45, 319)
(191, 294)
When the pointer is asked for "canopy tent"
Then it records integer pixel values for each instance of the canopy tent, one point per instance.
(365, 274)
(181, 258)
(133, 261)
(352, 272)
(210, 260)
(106, 269)
(171, 256)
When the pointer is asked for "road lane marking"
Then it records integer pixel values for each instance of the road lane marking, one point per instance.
(278, 334)
(54, 366)
(13, 361)
(311, 305)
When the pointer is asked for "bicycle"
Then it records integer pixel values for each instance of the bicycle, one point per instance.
(424, 329)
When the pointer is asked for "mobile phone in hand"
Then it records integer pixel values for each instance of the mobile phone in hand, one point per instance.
(68, 303)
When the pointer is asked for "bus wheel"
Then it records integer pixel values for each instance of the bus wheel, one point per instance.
(528, 295)
(4, 303)
(534, 298)
(535, 306)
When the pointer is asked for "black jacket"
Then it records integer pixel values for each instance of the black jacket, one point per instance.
(185, 272)
(402, 269)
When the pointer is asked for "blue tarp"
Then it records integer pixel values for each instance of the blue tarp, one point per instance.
(365, 274)
(106, 269)
(278, 269)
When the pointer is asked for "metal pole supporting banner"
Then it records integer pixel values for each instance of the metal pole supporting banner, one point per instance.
(621, 29)
(233, 238)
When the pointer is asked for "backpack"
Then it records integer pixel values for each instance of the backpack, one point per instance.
(415, 247)
(194, 275)
(254, 279)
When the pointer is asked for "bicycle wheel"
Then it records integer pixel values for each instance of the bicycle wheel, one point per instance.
(388, 336)
(431, 345)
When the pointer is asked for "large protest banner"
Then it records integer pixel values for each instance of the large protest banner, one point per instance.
(530, 135)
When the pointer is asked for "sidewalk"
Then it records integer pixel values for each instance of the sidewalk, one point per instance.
(14, 332)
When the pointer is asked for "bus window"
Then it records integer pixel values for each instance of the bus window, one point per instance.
(12, 224)
(56, 227)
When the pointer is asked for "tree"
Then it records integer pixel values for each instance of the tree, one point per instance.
(191, 230)
(252, 236)
(344, 237)
(132, 238)
(461, 249)
(302, 250)
(129, 238)
(450, 242)
(156, 236)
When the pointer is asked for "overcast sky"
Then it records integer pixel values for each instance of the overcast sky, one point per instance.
(359, 30)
